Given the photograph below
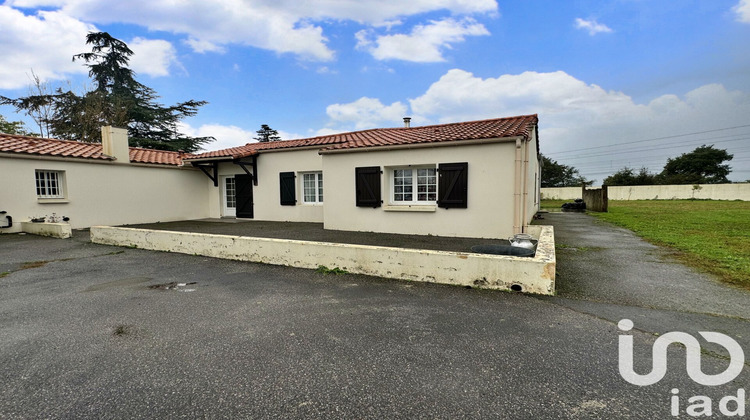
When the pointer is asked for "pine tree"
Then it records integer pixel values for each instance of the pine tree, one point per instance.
(267, 133)
(117, 99)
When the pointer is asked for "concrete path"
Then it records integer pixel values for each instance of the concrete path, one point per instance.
(609, 272)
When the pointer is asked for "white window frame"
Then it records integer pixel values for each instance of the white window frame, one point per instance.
(415, 186)
(317, 178)
(226, 210)
(50, 184)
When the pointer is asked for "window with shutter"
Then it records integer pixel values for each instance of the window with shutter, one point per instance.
(368, 186)
(287, 189)
(453, 185)
(413, 185)
(311, 187)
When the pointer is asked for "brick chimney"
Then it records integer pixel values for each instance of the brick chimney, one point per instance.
(115, 143)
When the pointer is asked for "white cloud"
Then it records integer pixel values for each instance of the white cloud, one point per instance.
(326, 132)
(592, 26)
(459, 95)
(365, 113)
(152, 56)
(44, 42)
(47, 41)
(203, 46)
(326, 70)
(576, 115)
(283, 26)
(227, 135)
(424, 44)
(379, 12)
(742, 9)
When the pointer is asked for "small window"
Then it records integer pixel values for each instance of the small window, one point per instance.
(312, 187)
(414, 186)
(49, 184)
(230, 192)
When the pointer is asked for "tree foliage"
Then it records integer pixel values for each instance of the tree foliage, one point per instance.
(13, 127)
(558, 175)
(627, 176)
(704, 165)
(267, 133)
(117, 99)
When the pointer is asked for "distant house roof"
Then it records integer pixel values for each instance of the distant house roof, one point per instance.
(11, 143)
(520, 126)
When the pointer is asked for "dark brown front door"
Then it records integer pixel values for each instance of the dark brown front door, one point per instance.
(244, 185)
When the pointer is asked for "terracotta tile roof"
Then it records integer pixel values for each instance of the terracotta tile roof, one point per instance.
(50, 147)
(454, 132)
(232, 152)
(10, 143)
(379, 137)
(161, 157)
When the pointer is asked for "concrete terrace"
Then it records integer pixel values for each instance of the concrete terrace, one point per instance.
(314, 232)
(431, 259)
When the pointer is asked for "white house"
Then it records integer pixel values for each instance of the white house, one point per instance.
(472, 179)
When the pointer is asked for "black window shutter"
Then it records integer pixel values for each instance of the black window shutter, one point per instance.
(287, 190)
(453, 185)
(368, 186)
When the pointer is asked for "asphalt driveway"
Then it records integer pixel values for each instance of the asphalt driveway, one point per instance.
(609, 272)
(82, 335)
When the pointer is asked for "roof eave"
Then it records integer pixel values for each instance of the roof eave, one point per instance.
(451, 143)
(23, 155)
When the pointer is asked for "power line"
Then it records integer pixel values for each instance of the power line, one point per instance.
(648, 149)
(654, 139)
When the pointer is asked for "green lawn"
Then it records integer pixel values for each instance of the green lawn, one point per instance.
(553, 204)
(713, 236)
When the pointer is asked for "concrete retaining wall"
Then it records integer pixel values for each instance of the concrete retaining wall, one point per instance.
(533, 275)
(55, 230)
(659, 192)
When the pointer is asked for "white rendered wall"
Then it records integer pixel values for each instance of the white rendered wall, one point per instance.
(490, 192)
(103, 193)
(266, 197)
(659, 192)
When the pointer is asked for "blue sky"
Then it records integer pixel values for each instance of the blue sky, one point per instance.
(603, 75)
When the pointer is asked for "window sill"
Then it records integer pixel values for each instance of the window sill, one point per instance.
(52, 200)
(412, 208)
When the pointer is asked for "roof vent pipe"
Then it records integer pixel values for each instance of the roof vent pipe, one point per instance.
(407, 122)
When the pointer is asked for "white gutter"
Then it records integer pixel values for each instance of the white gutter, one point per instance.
(517, 189)
(525, 196)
